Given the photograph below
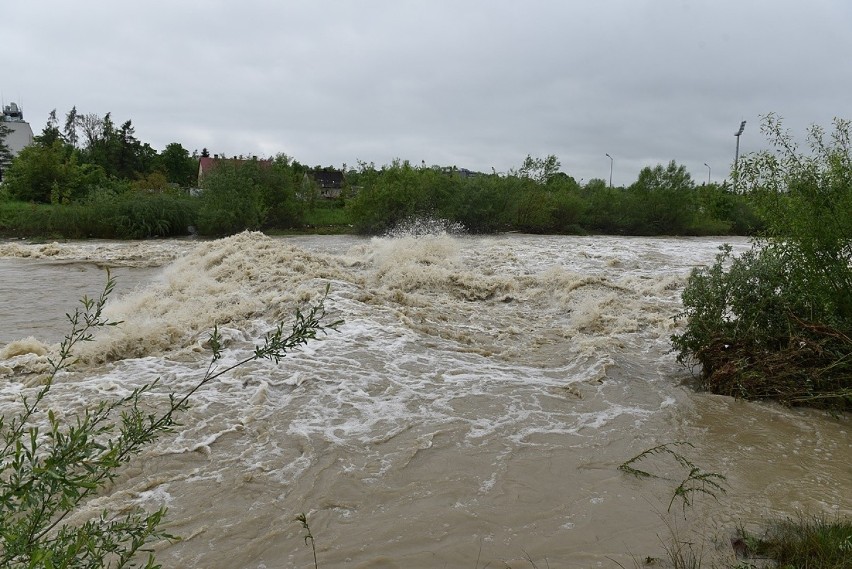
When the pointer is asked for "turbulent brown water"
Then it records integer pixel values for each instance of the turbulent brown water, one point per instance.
(472, 410)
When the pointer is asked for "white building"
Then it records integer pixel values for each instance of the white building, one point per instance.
(21, 134)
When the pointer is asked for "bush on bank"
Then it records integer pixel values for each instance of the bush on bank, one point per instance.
(103, 214)
(538, 199)
(776, 323)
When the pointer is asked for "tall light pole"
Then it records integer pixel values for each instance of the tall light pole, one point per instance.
(610, 168)
(737, 155)
(708, 173)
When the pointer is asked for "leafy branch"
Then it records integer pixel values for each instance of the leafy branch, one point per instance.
(303, 519)
(696, 481)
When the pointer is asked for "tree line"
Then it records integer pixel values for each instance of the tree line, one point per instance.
(538, 198)
(100, 180)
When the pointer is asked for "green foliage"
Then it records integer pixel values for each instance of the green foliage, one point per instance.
(328, 216)
(278, 185)
(540, 170)
(777, 321)
(179, 167)
(535, 199)
(481, 204)
(249, 195)
(69, 131)
(48, 473)
(116, 150)
(695, 482)
(231, 201)
(109, 212)
(50, 133)
(392, 195)
(139, 214)
(92, 152)
(805, 200)
(50, 469)
(664, 199)
(814, 542)
(49, 174)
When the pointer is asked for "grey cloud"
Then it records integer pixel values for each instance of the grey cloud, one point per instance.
(475, 83)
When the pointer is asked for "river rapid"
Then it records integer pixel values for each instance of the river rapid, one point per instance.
(472, 409)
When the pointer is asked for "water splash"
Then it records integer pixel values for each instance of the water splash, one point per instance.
(416, 226)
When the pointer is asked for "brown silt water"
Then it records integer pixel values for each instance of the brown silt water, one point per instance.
(471, 411)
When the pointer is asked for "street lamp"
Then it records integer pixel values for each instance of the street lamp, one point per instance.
(737, 155)
(708, 173)
(610, 168)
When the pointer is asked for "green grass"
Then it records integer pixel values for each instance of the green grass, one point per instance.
(133, 215)
(328, 214)
(21, 219)
(324, 218)
(812, 542)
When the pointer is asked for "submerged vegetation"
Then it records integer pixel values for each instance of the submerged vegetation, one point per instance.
(776, 323)
(696, 481)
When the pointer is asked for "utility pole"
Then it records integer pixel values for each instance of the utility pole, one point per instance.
(610, 168)
(737, 155)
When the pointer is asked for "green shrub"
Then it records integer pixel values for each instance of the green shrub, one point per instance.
(814, 542)
(138, 215)
(389, 197)
(230, 203)
(482, 205)
(777, 321)
(103, 214)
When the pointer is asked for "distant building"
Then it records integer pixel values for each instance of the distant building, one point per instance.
(21, 135)
(329, 182)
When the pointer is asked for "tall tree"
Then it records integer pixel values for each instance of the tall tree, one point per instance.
(179, 167)
(540, 170)
(71, 123)
(663, 199)
(50, 133)
(92, 127)
(673, 177)
(127, 151)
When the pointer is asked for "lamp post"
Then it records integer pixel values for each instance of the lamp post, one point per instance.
(610, 168)
(737, 154)
(708, 173)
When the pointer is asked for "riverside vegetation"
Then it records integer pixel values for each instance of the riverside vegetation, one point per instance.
(95, 179)
(776, 323)
(48, 473)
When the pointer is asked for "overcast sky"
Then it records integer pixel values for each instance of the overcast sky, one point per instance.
(477, 84)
